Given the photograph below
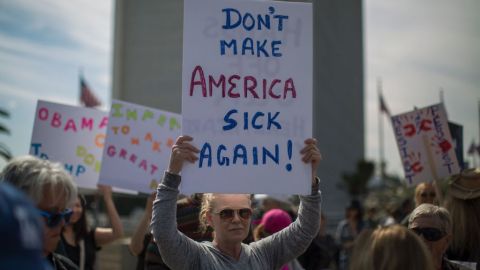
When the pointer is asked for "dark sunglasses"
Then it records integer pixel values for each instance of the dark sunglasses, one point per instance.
(425, 194)
(430, 234)
(53, 219)
(229, 214)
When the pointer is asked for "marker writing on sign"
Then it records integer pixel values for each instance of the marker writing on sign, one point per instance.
(242, 155)
(234, 86)
(69, 124)
(235, 19)
(143, 115)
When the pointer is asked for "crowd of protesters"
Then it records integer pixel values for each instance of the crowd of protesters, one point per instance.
(237, 231)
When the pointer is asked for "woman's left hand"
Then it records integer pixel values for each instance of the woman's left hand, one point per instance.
(311, 154)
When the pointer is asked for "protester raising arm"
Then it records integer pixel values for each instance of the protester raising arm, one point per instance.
(105, 236)
(137, 242)
(229, 215)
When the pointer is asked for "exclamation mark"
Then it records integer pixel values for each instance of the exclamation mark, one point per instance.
(289, 152)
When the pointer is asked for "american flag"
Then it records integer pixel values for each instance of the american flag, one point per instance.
(87, 98)
(383, 105)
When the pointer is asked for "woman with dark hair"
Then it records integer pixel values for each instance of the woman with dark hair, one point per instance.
(347, 231)
(80, 243)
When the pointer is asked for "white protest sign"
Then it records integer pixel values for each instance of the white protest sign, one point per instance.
(425, 144)
(137, 147)
(247, 95)
(73, 136)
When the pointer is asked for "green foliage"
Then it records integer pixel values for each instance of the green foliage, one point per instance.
(356, 183)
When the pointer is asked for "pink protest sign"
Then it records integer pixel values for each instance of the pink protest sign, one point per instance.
(425, 144)
(72, 135)
(247, 95)
(137, 147)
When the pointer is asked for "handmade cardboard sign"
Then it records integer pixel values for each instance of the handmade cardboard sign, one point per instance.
(73, 136)
(247, 95)
(425, 144)
(137, 147)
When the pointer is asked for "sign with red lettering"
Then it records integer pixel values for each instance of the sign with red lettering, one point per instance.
(425, 144)
(137, 147)
(247, 95)
(73, 136)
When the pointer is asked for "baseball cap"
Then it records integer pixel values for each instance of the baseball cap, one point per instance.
(275, 220)
(21, 231)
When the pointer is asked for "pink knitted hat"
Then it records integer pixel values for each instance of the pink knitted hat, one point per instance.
(275, 220)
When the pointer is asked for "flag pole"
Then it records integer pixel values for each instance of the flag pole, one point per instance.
(80, 77)
(380, 132)
(478, 146)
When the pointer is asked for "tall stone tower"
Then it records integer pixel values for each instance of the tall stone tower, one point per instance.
(147, 70)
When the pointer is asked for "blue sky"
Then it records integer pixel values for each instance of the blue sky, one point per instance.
(416, 47)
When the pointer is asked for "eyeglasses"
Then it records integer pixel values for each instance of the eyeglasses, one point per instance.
(53, 219)
(229, 214)
(430, 234)
(428, 194)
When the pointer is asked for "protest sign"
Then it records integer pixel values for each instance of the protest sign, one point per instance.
(425, 144)
(73, 136)
(247, 95)
(137, 147)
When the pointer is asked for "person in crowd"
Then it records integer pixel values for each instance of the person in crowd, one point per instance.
(463, 202)
(390, 248)
(143, 244)
(21, 231)
(229, 216)
(372, 219)
(80, 243)
(322, 254)
(425, 192)
(272, 222)
(434, 225)
(141, 237)
(53, 191)
(347, 231)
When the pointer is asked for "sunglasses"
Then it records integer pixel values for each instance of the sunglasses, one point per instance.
(430, 234)
(229, 214)
(425, 194)
(53, 219)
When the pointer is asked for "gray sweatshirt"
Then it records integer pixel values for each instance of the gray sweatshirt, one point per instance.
(181, 252)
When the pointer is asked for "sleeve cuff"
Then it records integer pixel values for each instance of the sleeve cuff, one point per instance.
(171, 180)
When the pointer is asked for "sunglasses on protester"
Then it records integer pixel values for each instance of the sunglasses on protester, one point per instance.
(53, 219)
(428, 194)
(229, 214)
(430, 234)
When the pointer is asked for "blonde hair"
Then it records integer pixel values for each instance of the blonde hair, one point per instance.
(390, 248)
(208, 203)
(465, 232)
(418, 190)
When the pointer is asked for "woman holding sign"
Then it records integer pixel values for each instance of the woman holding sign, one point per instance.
(229, 215)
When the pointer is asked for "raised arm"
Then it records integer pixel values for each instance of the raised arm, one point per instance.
(177, 250)
(136, 243)
(292, 241)
(105, 236)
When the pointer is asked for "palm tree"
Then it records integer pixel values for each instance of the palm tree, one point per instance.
(356, 183)
(4, 152)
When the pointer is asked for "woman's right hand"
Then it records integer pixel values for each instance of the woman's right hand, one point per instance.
(182, 151)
